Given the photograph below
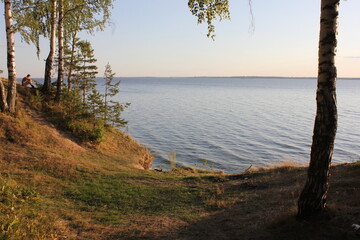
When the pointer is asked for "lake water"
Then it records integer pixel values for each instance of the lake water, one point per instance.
(231, 123)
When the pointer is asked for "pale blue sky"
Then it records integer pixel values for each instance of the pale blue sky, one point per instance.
(161, 38)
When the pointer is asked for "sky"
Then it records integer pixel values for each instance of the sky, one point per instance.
(160, 38)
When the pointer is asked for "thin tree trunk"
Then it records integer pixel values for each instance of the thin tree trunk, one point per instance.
(85, 82)
(71, 61)
(312, 200)
(3, 103)
(106, 103)
(50, 59)
(60, 78)
(11, 96)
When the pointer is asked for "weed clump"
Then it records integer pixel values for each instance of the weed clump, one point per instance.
(87, 130)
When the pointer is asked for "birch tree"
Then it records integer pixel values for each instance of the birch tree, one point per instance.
(313, 197)
(18, 10)
(80, 15)
(35, 18)
(50, 59)
(11, 93)
(312, 200)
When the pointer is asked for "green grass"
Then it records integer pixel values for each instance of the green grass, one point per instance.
(21, 216)
(128, 195)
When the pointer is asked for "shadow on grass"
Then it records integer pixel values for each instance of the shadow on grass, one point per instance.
(267, 209)
(269, 213)
(230, 224)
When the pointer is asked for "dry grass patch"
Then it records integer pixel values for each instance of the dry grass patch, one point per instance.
(116, 144)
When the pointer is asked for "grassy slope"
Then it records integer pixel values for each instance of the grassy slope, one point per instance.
(55, 188)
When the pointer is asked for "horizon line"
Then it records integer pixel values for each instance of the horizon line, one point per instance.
(294, 77)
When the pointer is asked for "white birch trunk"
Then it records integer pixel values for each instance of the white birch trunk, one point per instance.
(60, 77)
(51, 56)
(312, 200)
(11, 97)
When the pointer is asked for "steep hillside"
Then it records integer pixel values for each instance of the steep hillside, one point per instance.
(37, 157)
(30, 140)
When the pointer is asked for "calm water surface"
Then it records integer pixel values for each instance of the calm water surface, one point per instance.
(235, 122)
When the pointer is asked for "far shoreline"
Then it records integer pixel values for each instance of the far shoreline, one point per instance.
(213, 77)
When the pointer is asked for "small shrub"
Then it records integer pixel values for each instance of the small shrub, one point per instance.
(71, 115)
(86, 131)
(36, 100)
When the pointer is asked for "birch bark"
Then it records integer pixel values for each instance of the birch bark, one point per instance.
(51, 56)
(11, 95)
(3, 103)
(60, 77)
(313, 197)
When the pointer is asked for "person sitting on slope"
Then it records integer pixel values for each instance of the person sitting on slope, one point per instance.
(27, 81)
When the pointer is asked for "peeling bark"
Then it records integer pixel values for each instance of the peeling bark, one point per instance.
(312, 200)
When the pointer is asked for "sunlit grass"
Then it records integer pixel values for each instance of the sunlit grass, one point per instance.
(115, 193)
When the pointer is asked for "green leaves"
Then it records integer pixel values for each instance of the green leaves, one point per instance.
(29, 17)
(208, 11)
(213, 10)
(33, 17)
(87, 15)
